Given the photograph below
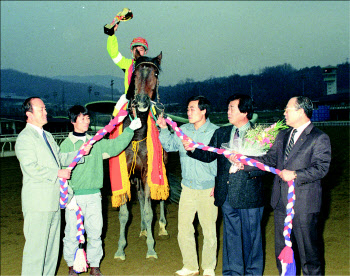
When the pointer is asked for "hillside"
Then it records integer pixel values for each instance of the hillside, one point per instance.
(99, 80)
(270, 89)
(15, 84)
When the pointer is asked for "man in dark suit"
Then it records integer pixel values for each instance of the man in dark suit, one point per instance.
(239, 195)
(303, 154)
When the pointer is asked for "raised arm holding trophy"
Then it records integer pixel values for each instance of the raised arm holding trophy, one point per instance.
(126, 64)
(124, 15)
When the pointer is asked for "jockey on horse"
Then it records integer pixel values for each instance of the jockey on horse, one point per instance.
(138, 47)
(127, 65)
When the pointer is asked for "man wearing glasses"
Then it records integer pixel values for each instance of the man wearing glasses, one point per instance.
(303, 154)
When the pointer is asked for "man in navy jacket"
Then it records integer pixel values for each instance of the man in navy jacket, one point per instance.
(239, 195)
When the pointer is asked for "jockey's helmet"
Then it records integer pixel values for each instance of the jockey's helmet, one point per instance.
(139, 41)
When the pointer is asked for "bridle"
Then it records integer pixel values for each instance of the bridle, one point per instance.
(156, 107)
(153, 107)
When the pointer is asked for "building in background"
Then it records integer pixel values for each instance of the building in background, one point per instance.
(330, 78)
(333, 106)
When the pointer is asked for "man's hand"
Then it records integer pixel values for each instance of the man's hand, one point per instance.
(233, 158)
(87, 147)
(161, 122)
(287, 175)
(186, 143)
(135, 124)
(116, 27)
(64, 173)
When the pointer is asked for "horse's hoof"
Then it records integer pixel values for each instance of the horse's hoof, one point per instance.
(119, 256)
(163, 232)
(143, 233)
(163, 237)
(152, 256)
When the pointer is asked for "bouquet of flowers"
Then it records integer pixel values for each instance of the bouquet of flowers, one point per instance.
(256, 142)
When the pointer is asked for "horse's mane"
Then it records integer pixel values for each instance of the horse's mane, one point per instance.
(131, 90)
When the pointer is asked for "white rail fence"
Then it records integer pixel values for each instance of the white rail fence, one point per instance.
(7, 141)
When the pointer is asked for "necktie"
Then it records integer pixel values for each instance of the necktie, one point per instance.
(236, 136)
(48, 144)
(291, 143)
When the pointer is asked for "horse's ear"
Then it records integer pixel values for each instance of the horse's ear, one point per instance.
(137, 54)
(159, 58)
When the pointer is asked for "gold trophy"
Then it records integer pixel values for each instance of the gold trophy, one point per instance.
(124, 15)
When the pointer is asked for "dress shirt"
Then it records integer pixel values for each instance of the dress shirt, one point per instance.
(38, 129)
(242, 130)
(299, 131)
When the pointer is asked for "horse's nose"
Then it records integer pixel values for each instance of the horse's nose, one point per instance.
(143, 102)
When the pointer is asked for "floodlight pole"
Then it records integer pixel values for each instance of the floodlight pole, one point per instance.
(89, 91)
(251, 88)
(112, 82)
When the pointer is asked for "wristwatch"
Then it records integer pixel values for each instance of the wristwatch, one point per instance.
(295, 174)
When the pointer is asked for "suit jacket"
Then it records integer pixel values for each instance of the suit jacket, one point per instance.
(242, 189)
(310, 157)
(41, 188)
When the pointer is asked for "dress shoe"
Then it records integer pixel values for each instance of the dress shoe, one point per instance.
(71, 272)
(95, 271)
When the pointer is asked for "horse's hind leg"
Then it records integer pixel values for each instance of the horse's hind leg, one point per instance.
(162, 220)
(123, 219)
(148, 217)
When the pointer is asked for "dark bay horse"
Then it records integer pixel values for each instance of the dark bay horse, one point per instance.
(142, 91)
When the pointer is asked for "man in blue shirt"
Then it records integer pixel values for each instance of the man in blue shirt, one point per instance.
(198, 180)
(239, 194)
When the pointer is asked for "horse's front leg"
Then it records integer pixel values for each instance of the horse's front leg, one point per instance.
(162, 220)
(148, 217)
(141, 197)
(123, 219)
(163, 233)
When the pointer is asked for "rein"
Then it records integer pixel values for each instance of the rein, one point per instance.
(155, 107)
(132, 109)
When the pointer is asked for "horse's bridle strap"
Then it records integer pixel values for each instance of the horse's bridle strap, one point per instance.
(147, 62)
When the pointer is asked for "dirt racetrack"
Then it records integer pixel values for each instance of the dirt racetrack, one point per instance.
(335, 224)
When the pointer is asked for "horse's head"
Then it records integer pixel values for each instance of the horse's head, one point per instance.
(144, 82)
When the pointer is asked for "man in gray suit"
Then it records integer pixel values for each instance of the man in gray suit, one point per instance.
(40, 160)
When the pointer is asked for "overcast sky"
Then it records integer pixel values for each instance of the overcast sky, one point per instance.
(198, 39)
